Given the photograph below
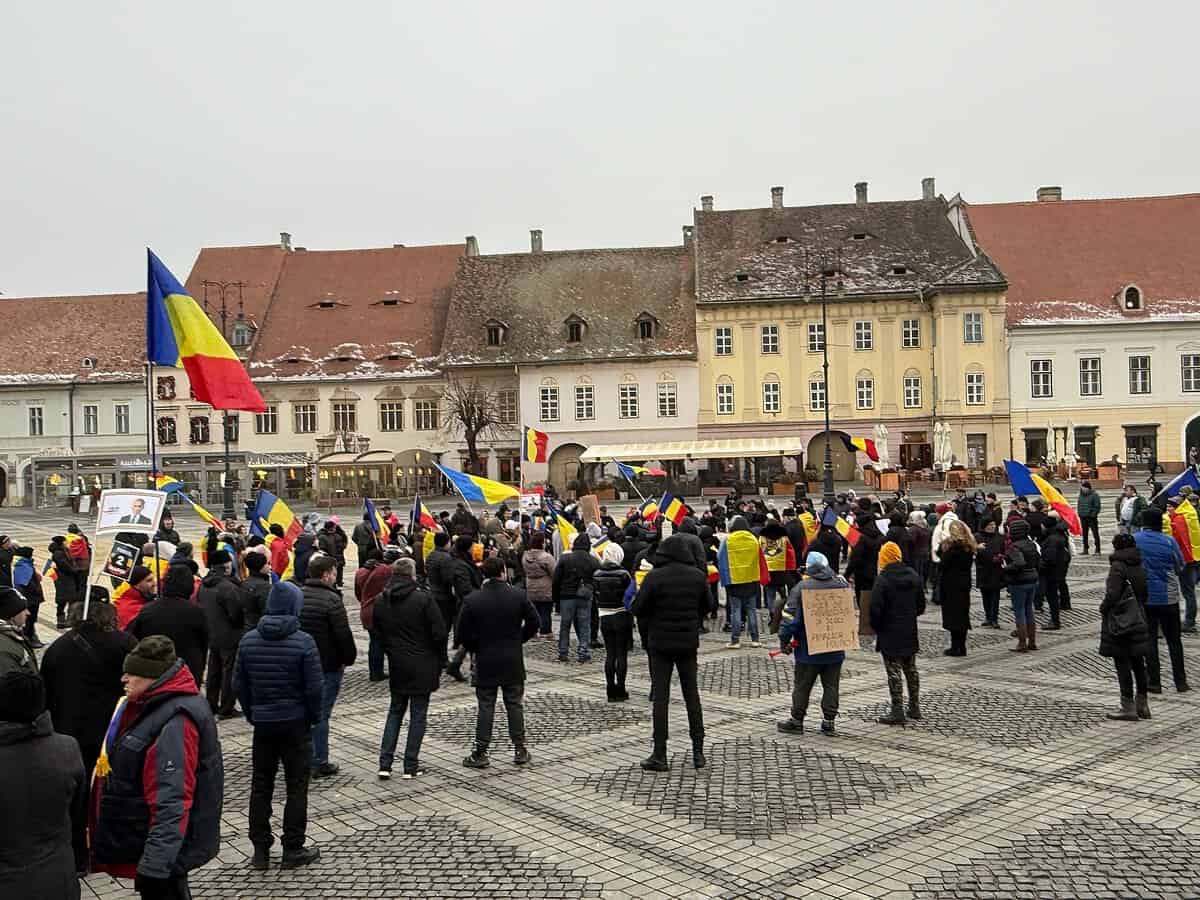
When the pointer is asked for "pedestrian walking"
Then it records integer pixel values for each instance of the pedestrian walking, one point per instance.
(494, 623)
(324, 617)
(280, 684)
(809, 666)
(571, 589)
(42, 781)
(538, 566)
(1124, 632)
(670, 606)
(221, 599)
(156, 823)
(897, 601)
(957, 554)
(989, 572)
(1087, 507)
(1162, 562)
(410, 628)
(1020, 566)
(609, 583)
(175, 615)
(743, 571)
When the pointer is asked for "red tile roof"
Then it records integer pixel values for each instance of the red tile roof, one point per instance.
(258, 267)
(1070, 260)
(47, 338)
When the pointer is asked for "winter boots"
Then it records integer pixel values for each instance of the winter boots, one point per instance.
(698, 759)
(1142, 704)
(1031, 634)
(1022, 640)
(1127, 712)
(914, 709)
(895, 717)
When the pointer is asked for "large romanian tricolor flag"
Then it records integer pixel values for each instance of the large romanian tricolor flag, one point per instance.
(421, 515)
(811, 526)
(179, 334)
(1185, 528)
(167, 484)
(861, 445)
(1026, 483)
(533, 446)
(270, 510)
(672, 508)
(476, 489)
(849, 533)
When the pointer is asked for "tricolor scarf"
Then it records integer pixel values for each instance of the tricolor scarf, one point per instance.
(110, 738)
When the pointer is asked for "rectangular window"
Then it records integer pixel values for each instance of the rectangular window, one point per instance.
(864, 393)
(645, 329)
(973, 328)
(37, 419)
(910, 333)
(912, 392)
(506, 406)
(121, 417)
(1139, 374)
(771, 397)
(165, 387)
(864, 337)
(723, 338)
(198, 430)
(425, 415)
(724, 399)
(1089, 376)
(585, 402)
(305, 417)
(1189, 367)
(816, 396)
(668, 400)
(233, 425)
(974, 389)
(91, 418)
(1041, 378)
(816, 337)
(166, 430)
(549, 404)
(391, 415)
(345, 415)
(769, 338)
(267, 422)
(627, 401)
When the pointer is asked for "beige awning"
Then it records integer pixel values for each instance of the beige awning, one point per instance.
(340, 458)
(731, 448)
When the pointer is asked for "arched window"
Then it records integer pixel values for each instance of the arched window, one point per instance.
(912, 389)
(816, 392)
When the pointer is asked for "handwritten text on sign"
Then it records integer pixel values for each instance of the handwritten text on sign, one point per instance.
(830, 620)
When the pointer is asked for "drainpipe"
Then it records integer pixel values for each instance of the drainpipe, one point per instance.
(933, 339)
(71, 414)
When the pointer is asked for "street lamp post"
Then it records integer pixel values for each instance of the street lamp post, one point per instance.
(227, 511)
(829, 266)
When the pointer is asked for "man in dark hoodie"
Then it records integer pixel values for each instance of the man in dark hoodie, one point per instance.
(279, 682)
(572, 590)
(175, 615)
(689, 531)
(669, 606)
(810, 666)
(465, 579)
(302, 551)
(221, 599)
(863, 563)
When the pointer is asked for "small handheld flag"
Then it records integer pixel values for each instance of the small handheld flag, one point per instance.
(375, 519)
(167, 484)
(672, 508)
(849, 532)
(649, 510)
(534, 445)
(270, 510)
(477, 489)
(421, 515)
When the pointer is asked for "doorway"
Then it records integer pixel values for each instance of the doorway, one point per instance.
(564, 465)
(843, 460)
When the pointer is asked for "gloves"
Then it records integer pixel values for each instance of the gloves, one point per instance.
(152, 888)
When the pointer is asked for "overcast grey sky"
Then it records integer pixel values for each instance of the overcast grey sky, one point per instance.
(359, 124)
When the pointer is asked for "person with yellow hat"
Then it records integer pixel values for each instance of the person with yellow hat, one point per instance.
(897, 600)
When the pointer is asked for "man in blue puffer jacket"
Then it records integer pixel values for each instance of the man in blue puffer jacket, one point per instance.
(279, 680)
(810, 666)
(1163, 563)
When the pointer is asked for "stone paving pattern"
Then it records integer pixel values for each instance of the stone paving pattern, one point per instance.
(1015, 785)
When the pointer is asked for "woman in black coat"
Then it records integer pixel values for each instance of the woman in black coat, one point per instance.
(957, 557)
(1128, 651)
(989, 573)
(66, 585)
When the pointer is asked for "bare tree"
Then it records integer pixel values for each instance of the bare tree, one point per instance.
(474, 409)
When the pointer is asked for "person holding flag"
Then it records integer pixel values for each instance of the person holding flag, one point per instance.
(743, 571)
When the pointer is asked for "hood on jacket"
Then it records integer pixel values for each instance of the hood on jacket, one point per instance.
(674, 549)
(1018, 530)
(285, 599)
(739, 523)
(818, 570)
(582, 542)
(1130, 556)
(689, 526)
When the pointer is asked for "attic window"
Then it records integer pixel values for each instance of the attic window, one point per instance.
(574, 332)
(88, 362)
(496, 332)
(241, 334)
(645, 329)
(294, 360)
(741, 276)
(1133, 297)
(327, 304)
(390, 301)
(783, 239)
(859, 236)
(899, 270)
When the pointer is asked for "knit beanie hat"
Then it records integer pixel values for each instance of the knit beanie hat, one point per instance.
(22, 696)
(889, 553)
(11, 603)
(151, 657)
(139, 574)
(179, 582)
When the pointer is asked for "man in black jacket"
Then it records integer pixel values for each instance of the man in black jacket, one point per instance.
(280, 684)
(438, 577)
(257, 586)
(572, 591)
(669, 607)
(332, 542)
(408, 623)
(221, 599)
(494, 623)
(175, 615)
(324, 617)
(1056, 560)
(632, 544)
(464, 579)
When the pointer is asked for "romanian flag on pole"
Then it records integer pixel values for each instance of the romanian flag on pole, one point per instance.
(650, 510)
(375, 519)
(1026, 483)
(534, 445)
(167, 484)
(476, 489)
(421, 515)
(631, 472)
(208, 517)
(1186, 478)
(861, 445)
(809, 521)
(849, 533)
(179, 334)
(673, 508)
(270, 510)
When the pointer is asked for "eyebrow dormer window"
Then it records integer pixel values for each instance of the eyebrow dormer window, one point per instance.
(1133, 297)
(899, 270)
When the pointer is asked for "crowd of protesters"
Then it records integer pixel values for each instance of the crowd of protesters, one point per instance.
(118, 720)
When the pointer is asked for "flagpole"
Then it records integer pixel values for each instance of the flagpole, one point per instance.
(632, 483)
(152, 440)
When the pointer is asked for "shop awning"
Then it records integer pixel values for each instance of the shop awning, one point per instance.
(376, 456)
(731, 448)
(338, 459)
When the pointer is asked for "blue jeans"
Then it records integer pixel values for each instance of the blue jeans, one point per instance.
(375, 656)
(544, 608)
(1187, 587)
(320, 732)
(579, 611)
(742, 608)
(1021, 596)
(419, 704)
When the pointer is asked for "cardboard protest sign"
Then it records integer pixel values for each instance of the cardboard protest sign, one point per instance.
(120, 560)
(830, 620)
(589, 508)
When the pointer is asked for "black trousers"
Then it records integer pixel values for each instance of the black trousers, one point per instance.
(1167, 619)
(177, 888)
(1050, 583)
(661, 667)
(1092, 524)
(617, 629)
(1129, 670)
(289, 743)
(219, 681)
(991, 604)
(514, 706)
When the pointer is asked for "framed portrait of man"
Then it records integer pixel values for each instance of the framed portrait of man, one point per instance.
(129, 510)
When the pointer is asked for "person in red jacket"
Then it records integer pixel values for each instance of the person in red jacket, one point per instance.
(369, 582)
(129, 602)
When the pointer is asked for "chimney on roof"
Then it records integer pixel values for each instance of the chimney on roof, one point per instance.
(860, 193)
(776, 198)
(285, 242)
(1049, 194)
(535, 240)
(706, 203)
(688, 232)
(472, 245)
(927, 191)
